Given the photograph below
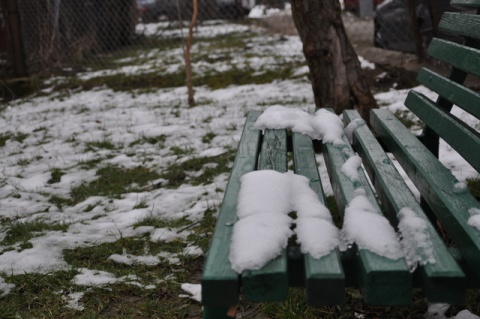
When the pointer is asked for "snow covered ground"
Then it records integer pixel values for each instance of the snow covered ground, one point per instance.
(65, 131)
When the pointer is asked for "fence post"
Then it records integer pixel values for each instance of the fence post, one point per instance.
(366, 8)
(15, 36)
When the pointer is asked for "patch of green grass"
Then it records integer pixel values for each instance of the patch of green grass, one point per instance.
(114, 181)
(19, 137)
(56, 174)
(24, 231)
(159, 222)
(207, 138)
(180, 151)
(90, 164)
(106, 144)
(205, 226)
(37, 296)
(160, 140)
(244, 76)
(141, 204)
(210, 168)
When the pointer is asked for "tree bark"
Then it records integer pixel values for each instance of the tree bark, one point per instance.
(335, 71)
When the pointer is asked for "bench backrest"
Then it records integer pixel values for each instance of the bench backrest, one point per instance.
(464, 60)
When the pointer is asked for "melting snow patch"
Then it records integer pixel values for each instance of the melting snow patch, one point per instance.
(364, 226)
(5, 288)
(73, 301)
(438, 310)
(93, 278)
(128, 259)
(474, 219)
(415, 239)
(351, 166)
(324, 125)
(194, 290)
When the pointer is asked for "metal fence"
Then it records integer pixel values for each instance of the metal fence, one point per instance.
(38, 36)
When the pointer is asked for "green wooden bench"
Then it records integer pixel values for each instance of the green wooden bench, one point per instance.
(382, 281)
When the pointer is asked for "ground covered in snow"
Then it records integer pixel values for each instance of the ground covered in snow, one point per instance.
(104, 188)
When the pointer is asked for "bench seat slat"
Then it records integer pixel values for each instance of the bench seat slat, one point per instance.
(442, 280)
(435, 183)
(463, 139)
(271, 282)
(461, 57)
(466, 25)
(451, 91)
(465, 3)
(220, 283)
(383, 281)
(324, 277)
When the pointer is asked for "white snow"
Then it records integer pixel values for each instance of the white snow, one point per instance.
(438, 310)
(474, 219)
(351, 166)
(5, 288)
(371, 231)
(323, 125)
(264, 226)
(194, 290)
(415, 239)
(94, 278)
(73, 301)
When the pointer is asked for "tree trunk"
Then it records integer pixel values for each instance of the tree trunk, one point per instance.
(335, 71)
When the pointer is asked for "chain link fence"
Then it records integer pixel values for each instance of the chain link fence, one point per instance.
(43, 36)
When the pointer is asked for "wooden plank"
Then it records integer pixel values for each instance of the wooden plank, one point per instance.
(459, 56)
(442, 280)
(324, 277)
(220, 284)
(435, 183)
(453, 92)
(466, 25)
(465, 3)
(383, 281)
(464, 140)
(271, 282)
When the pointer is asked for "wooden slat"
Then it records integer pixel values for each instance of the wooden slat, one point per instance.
(453, 92)
(271, 282)
(435, 183)
(466, 25)
(461, 57)
(324, 277)
(220, 284)
(464, 140)
(382, 281)
(442, 280)
(465, 3)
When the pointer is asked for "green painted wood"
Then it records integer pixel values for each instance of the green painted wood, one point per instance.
(457, 55)
(466, 25)
(463, 139)
(273, 153)
(324, 277)
(435, 183)
(442, 281)
(453, 92)
(220, 284)
(465, 3)
(382, 281)
(271, 282)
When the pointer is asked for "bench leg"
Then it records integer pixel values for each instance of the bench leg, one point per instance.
(219, 312)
